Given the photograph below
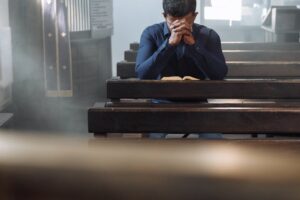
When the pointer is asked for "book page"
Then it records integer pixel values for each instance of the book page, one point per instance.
(172, 78)
(190, 78)
(178, 78)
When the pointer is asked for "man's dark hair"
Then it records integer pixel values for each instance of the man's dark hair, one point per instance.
(179, 8)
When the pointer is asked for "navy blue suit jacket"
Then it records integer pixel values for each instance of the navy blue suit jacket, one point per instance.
(157, 59)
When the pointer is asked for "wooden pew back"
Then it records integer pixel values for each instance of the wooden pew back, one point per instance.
(248, 46)
(243, 55)
(230, 89)
(240, 69)
(196, 115)
(245, 60)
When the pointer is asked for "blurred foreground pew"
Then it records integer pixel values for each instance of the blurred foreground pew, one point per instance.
(38, 168)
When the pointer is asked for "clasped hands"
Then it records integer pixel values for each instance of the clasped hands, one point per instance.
(181, 31)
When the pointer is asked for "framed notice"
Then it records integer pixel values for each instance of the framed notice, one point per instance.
(101, 18)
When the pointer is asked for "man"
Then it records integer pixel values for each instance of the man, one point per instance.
(180, 47)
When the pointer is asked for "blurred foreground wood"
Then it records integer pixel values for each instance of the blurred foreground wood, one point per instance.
(38, 168)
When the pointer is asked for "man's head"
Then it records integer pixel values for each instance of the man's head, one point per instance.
(180, 10)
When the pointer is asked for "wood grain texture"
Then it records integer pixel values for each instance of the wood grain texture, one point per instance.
(242, 55)
(248, 46)
(210, 119)
(240, 89)
(238, 69)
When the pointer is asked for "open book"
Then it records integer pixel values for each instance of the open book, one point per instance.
(178, 78)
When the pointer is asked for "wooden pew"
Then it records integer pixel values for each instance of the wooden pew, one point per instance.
(242, 69)
(261, 55)
(248, 46)
(260, 46)
(245, 60)
(47, 167)
(271, 61)
(230, 89)
(242, 55)
(234, 119)
(191, 117)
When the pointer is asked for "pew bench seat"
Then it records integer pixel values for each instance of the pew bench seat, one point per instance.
(227, 106)
(192, 118)
(236, 69)
(248, 46)
(242, 55)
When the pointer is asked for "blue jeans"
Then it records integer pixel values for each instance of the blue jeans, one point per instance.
(209, 136)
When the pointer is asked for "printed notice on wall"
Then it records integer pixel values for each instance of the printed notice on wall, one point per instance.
(101, 18)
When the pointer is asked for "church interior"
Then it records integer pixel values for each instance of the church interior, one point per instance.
(76, 120)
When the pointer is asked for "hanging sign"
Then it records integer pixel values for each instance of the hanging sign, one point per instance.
(101, 18)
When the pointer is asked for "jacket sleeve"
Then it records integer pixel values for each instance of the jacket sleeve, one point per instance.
(209, 59)
(151, 59)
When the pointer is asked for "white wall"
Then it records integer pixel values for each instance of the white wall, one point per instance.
(5, 45)
(6, 76)
(131, 17)
(4, 17)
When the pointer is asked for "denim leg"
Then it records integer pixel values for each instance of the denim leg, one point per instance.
(211, 136)
(158, 135)
(208, 136)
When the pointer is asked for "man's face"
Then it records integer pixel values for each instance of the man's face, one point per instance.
(189, 18)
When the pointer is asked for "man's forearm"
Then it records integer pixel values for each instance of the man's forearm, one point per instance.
(214, 67)
(152, 66)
